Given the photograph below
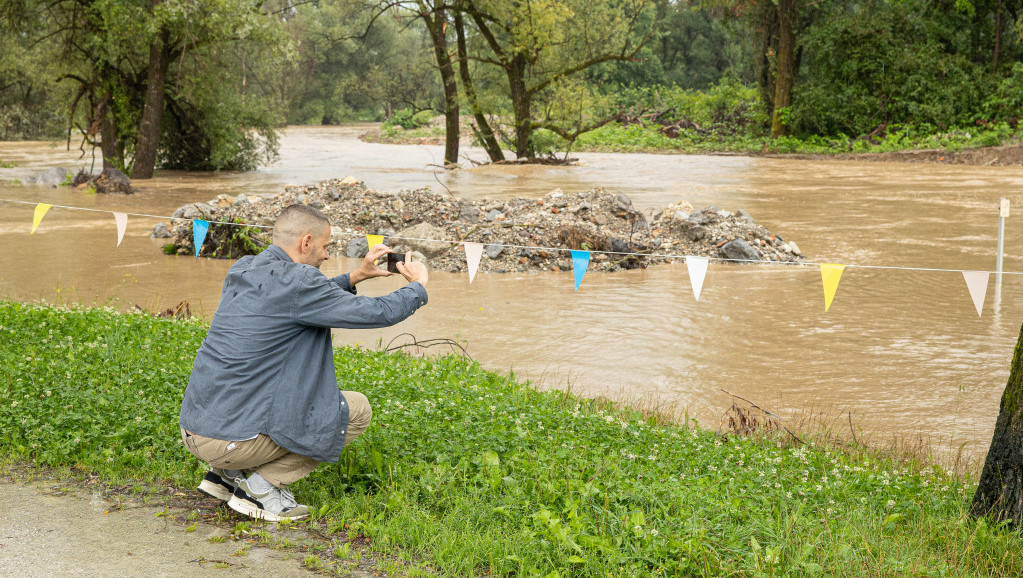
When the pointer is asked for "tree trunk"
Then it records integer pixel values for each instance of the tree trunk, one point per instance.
(768, 43)
(437, 26)
(785, 78)
(483, 131)
(1000, 491)
(144, 162)
(998, 35)
(521, 105)
(113, 149)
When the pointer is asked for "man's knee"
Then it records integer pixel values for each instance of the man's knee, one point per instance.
(359, 411)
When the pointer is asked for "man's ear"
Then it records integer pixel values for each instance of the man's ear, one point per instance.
(304, 242)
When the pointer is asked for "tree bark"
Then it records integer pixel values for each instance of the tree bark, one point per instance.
(436, 23)
(768, 41)
(1000, 491)
(483, 130)
(522, 106)
(998, 35)
(785, 78)
(144, 162)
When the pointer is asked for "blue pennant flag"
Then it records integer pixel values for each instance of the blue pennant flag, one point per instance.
(580, 261)
(199, 230)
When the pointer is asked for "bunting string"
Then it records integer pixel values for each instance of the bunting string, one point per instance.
(539, 248)
(831, 273)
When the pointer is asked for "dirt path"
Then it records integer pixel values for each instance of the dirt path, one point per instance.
(50, 528)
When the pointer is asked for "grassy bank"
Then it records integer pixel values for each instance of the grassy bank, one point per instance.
(469, 472)
(650, 138)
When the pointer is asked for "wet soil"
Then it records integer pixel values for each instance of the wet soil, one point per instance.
(53, 525)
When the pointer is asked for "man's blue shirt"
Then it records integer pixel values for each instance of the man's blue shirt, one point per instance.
(267, 363)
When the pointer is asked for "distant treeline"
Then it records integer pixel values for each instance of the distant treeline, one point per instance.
(205, 85)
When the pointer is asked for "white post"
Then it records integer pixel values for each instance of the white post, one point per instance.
(1003, 213)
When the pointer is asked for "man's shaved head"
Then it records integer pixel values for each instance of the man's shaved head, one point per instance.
(296, 221)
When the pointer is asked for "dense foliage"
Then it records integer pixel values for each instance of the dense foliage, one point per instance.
(467, 472)
(532, 75)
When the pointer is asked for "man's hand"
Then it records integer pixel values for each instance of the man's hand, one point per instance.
(411, 270)
(414, 271)
(368, 269)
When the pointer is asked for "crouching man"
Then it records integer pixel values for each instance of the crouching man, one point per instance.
(262, 406)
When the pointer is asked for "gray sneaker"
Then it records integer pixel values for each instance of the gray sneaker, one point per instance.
(220, 484)
(275, 505)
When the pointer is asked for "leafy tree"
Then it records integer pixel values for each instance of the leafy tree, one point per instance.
(131, 61)
(539, 44)
(29, 100)
(352, 66)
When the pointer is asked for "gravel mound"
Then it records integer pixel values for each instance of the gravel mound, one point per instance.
(519, 234)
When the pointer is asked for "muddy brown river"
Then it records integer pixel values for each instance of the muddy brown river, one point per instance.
(901, 352)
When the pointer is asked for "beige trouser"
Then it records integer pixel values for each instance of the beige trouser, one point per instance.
(276, 464)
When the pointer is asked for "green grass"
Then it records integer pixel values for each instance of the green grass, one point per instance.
(470, 472)
(647, 138)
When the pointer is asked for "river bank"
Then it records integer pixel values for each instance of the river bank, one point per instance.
(468, 472)
(638, 139)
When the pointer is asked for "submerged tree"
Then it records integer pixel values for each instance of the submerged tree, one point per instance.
(539, 44)
(1000, 491)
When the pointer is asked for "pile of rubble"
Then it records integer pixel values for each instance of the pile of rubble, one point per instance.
(518, 234)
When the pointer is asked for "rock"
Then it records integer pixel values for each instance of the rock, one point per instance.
(51, 176)
(795, 248)
(584, 205)
(242, 199)
(470, 214)
(193, 211)
(357, 248)
(691, 230)
(348, 181)
(623, 201)
(493, 250)
(425, 238)
(698, 218)
(745, 216)
(494, 214)
(113, 181)
(620, 245)
(599, 219)
(739, 249)
(160, 231)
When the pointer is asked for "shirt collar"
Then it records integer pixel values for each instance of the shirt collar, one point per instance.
(279, 253)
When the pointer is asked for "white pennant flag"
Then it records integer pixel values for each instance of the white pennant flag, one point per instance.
(473, 254)
(697, 271)
(976, 282)
(122, 223)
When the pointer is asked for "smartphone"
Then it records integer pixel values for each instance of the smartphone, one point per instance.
(392, 261)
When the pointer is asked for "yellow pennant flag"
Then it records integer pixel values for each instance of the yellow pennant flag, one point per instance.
(37, 218)
(830, 275)
(373, 240)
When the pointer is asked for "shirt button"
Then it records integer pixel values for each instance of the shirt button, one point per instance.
(342, 431)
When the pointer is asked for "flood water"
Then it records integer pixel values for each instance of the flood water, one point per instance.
(900, 352)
